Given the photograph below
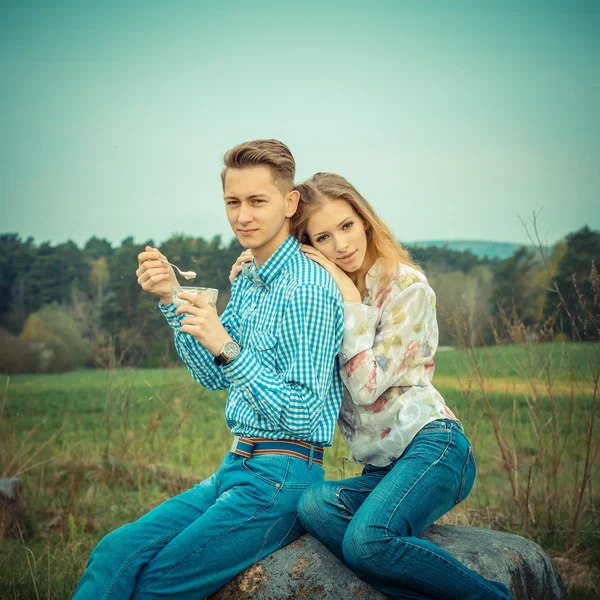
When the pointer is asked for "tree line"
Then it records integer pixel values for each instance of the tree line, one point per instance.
(64, 307)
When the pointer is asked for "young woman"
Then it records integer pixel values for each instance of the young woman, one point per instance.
(418, 463)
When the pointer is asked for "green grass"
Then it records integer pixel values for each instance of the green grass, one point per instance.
(98, 449)
(518, 362)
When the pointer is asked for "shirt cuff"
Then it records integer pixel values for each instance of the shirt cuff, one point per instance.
(360, 325)
(241, 371)
(172, 319)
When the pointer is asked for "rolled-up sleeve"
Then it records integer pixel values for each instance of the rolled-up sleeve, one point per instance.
(197, 358)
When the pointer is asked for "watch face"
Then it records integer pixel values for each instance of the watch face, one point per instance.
(231, 350)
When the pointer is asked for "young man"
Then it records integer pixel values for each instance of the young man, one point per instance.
(274, 347)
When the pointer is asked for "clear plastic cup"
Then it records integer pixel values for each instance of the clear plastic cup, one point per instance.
(209, 295)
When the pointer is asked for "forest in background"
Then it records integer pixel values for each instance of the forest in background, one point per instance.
(63, 307)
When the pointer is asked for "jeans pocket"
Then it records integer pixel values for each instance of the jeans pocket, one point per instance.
(301, 475)
(271, 469)
(468, 477)
(431, 441)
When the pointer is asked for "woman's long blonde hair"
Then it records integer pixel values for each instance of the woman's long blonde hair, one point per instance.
(323, 188)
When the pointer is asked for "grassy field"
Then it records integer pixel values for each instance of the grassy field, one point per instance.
(96, 449)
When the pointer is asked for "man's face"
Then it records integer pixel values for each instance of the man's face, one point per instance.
(257, 210)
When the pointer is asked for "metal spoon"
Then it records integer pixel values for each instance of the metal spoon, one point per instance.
(184, 274)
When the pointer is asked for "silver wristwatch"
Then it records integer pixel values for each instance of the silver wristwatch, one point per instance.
(229, 352)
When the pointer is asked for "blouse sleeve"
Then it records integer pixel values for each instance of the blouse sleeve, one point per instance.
(378, 350)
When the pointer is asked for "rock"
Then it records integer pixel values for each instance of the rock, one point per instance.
(516, 561)
(12, 508)
(305, 569)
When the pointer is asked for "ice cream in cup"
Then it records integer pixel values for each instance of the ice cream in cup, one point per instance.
(209, 295)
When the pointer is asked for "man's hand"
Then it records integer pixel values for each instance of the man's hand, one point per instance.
(244, 257)
(202, 322)
(156, 277)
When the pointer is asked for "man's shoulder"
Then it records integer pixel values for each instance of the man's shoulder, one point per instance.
(301, 272)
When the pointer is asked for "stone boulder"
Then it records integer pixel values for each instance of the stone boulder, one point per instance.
(12, 508)
(305, 569)
(516, 561)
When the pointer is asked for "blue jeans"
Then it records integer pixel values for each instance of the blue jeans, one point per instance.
(371, 522)
(194, 543)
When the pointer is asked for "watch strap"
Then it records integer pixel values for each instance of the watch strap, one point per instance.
(222, 359)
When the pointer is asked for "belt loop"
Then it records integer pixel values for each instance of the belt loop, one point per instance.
(310, 456)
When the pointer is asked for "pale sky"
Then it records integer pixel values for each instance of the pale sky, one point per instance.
(452, 118)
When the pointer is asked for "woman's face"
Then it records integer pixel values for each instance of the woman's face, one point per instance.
(338, 232)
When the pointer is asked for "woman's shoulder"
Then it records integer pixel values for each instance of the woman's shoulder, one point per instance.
(409, 272)
(403, 276)
(393, 282)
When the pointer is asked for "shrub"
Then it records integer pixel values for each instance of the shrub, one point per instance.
(17, 355)
(61, 345)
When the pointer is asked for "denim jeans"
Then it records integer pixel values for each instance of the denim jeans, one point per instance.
(371, 522)
(194, 543)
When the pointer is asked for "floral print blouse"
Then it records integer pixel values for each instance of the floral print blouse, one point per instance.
(387, 363)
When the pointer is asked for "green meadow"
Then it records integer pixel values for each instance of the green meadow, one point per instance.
(97, 449)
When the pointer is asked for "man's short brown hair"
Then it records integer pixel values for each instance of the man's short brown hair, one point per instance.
(268, 153)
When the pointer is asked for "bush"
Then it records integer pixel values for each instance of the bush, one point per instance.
(17, 355)
(55, 333)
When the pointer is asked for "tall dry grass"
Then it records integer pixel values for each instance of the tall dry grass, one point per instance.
(543, 422)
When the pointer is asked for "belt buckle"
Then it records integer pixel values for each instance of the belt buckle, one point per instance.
(236, 439)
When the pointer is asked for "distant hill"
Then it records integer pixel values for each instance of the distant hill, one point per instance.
(479, 248)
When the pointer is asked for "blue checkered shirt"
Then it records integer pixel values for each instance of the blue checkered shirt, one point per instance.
(288, 316)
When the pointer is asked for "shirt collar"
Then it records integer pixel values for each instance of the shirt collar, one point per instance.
(375, 270)
(269, 270)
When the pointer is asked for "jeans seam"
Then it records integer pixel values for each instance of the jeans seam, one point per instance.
(387, 527)
(190, 556)
(287, 470)
(466, 572)
(296, 518)
(437, 424)
(133, 556)
(293, 486)
(463, 475)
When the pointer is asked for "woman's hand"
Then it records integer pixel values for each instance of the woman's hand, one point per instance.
(244, 257)
(346, 286)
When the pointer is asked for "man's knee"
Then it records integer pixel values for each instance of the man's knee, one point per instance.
(115, 544)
